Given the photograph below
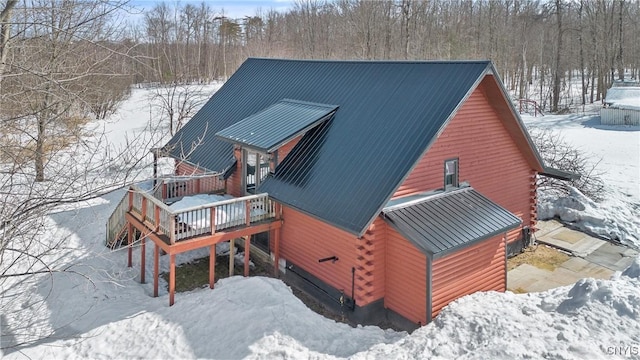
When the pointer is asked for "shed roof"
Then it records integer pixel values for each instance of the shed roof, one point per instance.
(269, 129)
(623, 97)
(440, 224)
(345, 170)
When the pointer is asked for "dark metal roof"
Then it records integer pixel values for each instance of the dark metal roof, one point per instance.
(559, 174)
(269, 129)
(440, 224)
(345, 170)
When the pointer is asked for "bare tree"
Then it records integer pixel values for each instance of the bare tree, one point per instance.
(56, 55)
(560, 155)
(55, 61)
(178, 103)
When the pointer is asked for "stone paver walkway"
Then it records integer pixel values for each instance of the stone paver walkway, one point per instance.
(591, 257)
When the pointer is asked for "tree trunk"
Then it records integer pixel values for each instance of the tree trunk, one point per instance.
(5, 33)
(39, 153)
(558, 71)
(620, 45)
(583, 91)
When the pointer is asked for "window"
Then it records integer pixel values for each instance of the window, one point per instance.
(261, 241)
(450, 173)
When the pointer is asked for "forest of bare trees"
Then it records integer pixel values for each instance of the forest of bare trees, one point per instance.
(540, 48)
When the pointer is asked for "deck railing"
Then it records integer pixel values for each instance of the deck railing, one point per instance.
(175, 188)
(203, 219)
(116, 222)
(167, 189)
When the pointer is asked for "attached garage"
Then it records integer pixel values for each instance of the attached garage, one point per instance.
(443, 246)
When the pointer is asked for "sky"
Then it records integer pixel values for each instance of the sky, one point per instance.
(232, 8)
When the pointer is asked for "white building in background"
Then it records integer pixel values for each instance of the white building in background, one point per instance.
(621, 105)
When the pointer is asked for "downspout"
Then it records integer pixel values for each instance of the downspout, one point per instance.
(429, 288)
(353, 288)
(505, 261)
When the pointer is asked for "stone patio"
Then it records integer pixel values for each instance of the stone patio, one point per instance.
(590, 257)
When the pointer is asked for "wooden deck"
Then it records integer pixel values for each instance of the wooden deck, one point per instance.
(185, 229)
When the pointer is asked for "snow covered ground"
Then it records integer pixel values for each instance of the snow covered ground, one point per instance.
(98, 309)
(616, 151)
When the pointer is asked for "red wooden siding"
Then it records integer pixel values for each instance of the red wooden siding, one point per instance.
(480, 267)
(184, 169)
(304, 240)
(234, 182)
(285, 149)
(405, 278)
(489, 160)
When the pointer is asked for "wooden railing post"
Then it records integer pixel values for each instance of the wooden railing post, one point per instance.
(156, 216)
(212, 221)
(247, 212)
(130, 199)
(144, 207)
(172, 229)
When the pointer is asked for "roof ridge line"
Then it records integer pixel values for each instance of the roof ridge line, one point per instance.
(384, 61)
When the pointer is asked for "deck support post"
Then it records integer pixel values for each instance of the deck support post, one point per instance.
(212, 265)
(156, 259)
(130, 244)
(172, 278)
(232, 254)
(247, 243)
(276, 242)
(142, 259)
(276, 253)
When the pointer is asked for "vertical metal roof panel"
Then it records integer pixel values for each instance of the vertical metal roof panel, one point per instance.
(342, 171)
(440, 224)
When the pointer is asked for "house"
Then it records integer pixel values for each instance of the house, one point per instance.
(388, 188)
(621, 105)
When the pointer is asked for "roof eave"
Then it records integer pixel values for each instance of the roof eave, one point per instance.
(475, 241)
(539, 166)
(316, 217)
(559, 174)
(243, 144)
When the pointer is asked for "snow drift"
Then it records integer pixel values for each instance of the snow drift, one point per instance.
(589, 320)
(614, 218)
